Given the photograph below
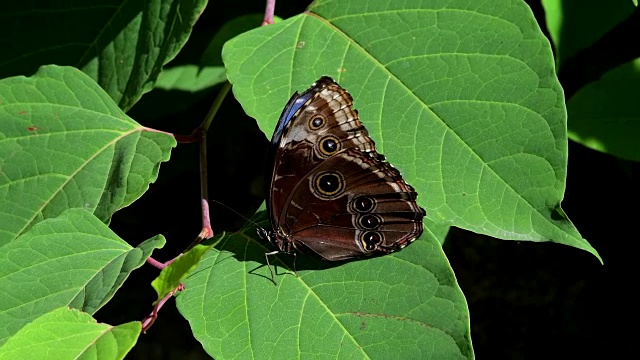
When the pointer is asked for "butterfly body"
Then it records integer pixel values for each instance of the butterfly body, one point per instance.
(330, 193)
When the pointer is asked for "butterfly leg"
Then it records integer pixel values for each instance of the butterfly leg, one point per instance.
(266, 257)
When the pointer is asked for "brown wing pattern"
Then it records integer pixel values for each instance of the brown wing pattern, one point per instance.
(331, 193)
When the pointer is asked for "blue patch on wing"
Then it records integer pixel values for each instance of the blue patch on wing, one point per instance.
(294, 104)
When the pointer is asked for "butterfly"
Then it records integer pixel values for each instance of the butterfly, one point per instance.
(330, 194)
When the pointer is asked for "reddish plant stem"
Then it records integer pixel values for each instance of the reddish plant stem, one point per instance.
(159, 265)
(268, 12)
(149, 320)
(199, 134)
(207, 231)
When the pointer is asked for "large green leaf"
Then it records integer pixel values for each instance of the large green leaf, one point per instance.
(603, 114)
(406, 305)
(74, 260)
(190, 78)
(461, 96)
(70, 334)
(65, 144)
(187, 84)
(122, 47)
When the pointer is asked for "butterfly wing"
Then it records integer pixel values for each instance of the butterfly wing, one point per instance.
(352, 205)
(331, 193)
(298, 145)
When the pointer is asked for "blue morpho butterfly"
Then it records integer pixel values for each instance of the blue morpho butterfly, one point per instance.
(330, 194)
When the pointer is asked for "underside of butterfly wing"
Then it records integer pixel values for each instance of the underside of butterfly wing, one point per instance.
(331, 194)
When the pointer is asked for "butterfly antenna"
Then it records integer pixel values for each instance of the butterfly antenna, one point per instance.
(262, 233)
(235, 212)
(198, 240)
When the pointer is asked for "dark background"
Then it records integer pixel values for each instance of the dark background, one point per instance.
(527, 300)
